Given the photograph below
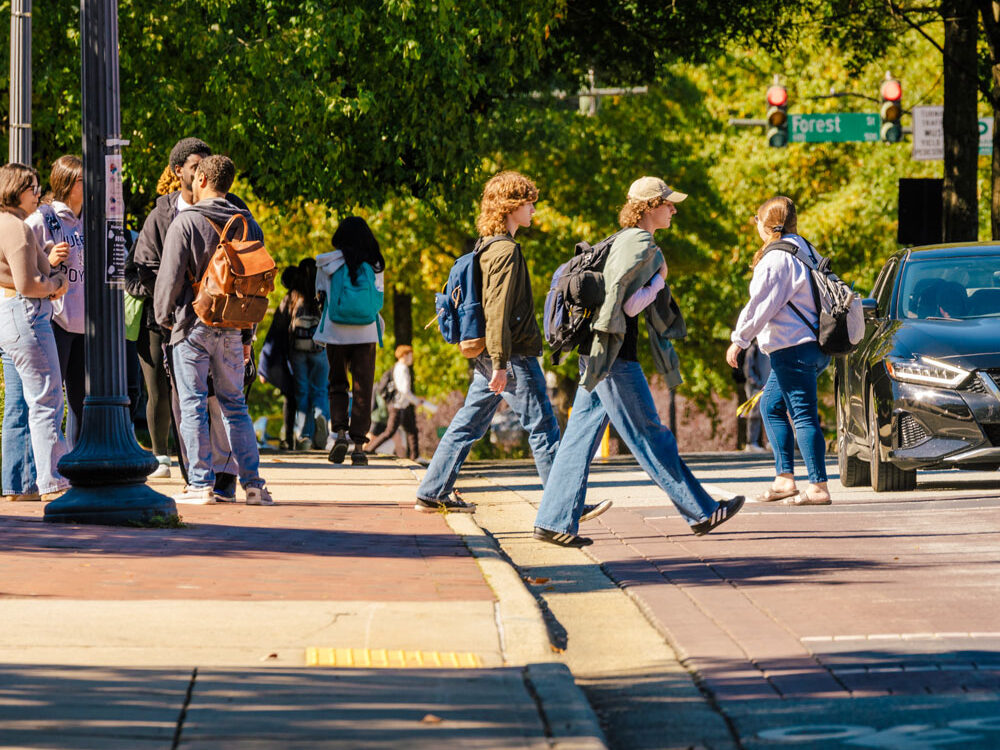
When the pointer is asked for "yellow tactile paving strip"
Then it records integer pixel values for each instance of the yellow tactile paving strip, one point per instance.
(382, 658)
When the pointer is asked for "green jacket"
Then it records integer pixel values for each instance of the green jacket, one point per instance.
(508, 305)
(633, 260)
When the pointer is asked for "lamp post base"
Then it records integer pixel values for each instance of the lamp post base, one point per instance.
(107, 470)
(115, 505)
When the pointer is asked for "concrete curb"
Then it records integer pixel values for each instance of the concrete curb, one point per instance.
(525, 641)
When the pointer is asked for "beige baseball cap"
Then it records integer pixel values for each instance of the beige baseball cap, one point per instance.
(646, 188)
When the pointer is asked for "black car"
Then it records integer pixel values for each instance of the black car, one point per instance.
(922, 390)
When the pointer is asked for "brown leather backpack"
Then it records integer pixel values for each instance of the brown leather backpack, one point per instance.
(232, 293)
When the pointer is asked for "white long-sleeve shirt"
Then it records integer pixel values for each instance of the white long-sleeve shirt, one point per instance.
(404, 386)
(779, 278)
(643, 296)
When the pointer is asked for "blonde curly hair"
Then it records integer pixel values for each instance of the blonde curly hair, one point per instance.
(633, 210)
(503, 194)
(169, 182)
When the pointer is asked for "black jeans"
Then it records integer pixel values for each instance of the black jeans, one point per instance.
(150, 346)
(405, 418)
(358, 360)
(72, 364)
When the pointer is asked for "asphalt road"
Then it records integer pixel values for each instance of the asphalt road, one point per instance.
(874, 622)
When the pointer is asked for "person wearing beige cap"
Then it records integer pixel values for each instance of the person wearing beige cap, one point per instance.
(613, 387)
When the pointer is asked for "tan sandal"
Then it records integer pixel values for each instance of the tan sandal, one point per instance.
(802, 498)
(771, 495)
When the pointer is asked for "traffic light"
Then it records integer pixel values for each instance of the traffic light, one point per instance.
(777, 116)
(892, 109)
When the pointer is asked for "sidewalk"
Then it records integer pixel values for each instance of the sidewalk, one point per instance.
(284, 626)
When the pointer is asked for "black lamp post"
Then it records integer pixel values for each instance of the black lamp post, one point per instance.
(107, 468)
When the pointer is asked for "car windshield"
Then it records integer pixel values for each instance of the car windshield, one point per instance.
(957, 288)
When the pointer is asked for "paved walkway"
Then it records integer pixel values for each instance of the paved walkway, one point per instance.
(338, 618)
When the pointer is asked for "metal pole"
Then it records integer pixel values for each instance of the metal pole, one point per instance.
(19, 146)
(107, 468)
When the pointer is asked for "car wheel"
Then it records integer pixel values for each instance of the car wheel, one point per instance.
(885, 477)
(853, 471)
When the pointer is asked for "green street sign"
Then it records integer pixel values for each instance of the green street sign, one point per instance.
(836, 127)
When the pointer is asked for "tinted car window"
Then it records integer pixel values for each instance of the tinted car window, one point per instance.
(882, 292)
(951, 287)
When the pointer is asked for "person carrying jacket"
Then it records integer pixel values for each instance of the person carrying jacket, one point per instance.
(508, 369)
(614, 389)
(199, 350)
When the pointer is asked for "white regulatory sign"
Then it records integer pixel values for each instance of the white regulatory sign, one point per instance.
(928, 134)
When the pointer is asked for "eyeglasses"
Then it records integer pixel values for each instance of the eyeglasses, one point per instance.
(36, 189)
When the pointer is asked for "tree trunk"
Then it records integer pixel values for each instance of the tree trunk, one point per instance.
(402, 317)
(989, 11)
(961, 126)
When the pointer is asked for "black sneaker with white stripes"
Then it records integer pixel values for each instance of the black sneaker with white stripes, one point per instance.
(726, 510)
(563, 540)
(452, 504)
(593, 511)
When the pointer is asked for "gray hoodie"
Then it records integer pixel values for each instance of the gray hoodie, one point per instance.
(67, 311)
(187, 248)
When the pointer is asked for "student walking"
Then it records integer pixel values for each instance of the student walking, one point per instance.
(199, 350)
(29, 284)
(58, 228)
(308, 360)
(613, 387)
(756, 368)
(402, 408)
(350, 281)
(508, 369)
(782, 315)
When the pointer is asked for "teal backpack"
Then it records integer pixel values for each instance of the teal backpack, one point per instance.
(354, 303)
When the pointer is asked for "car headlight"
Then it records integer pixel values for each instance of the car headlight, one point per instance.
(926, 371)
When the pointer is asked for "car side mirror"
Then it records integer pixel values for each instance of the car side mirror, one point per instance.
(870, 308)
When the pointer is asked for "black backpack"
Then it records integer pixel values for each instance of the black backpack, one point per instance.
(841, 323)
(386, 387)
(575, 294)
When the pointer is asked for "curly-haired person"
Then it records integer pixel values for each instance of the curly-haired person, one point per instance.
(507, 369)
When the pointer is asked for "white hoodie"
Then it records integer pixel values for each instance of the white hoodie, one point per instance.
(67, 311)
(329, 332)
(777, 280)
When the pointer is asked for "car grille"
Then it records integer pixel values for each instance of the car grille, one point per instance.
(911, 432)
(992, 433)
(975, 385)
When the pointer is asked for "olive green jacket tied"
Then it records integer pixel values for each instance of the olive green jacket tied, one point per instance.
(632, 261)
(508, 305)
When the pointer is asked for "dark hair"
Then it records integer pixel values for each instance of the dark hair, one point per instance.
(66, 170)
(15, 178)
(355, 240)
(219, 170)
(185, 147)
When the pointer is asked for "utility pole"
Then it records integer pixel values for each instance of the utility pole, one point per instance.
(19, 147)
(107, 468)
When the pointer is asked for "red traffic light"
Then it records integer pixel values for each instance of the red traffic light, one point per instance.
(892, 90)
(777, 96)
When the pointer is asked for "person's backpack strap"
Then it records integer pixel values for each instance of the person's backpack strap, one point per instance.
(792, 249)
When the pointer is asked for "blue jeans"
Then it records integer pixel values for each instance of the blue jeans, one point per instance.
(623, 397)
(18, 460)
(525, 394)
(311, 372)
(218, 351)
(26, 338)
(791, 389)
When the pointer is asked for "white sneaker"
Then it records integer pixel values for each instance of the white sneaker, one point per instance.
(163, 470)
(259, 496)
(196, 496)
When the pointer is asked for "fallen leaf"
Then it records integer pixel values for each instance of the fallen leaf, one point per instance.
(540, 579)
(269, 656)
(556, 649)
(431, 719)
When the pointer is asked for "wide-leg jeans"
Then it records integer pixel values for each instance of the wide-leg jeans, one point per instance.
(18, 471)
(26, 338)
(623, 398)
(526, 396)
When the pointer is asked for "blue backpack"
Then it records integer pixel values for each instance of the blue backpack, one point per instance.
(459, 305)
(354, 302)
(575, 294)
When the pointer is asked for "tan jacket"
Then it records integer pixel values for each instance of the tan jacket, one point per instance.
(508, 306)
(23, 264)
